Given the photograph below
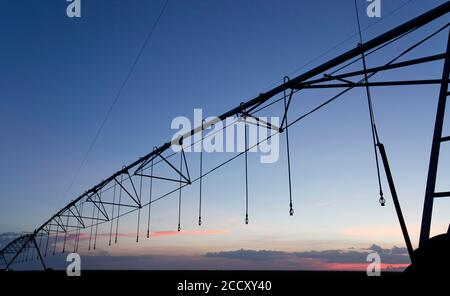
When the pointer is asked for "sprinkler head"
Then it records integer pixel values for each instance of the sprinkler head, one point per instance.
(291, 211)
(246, 220)
(199, 221)
(382, 201)
(179, 227)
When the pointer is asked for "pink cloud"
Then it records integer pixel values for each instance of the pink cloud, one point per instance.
(362, 266)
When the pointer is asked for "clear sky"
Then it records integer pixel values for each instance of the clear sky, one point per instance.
(58, 77)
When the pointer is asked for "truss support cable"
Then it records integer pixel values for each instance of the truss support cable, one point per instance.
(369, 101)
(201, 178)
(286, 130)
(150, 195)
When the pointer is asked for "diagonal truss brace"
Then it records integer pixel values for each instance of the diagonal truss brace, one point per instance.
(135, 198)
(102, 210)
(185, 179)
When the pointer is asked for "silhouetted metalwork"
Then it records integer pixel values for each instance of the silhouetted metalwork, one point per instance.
(121, 194)
(430, 193)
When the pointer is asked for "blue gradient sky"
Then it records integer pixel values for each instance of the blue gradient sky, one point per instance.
(58, 77)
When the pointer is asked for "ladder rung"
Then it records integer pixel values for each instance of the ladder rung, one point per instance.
(442, 194)
(445, 139)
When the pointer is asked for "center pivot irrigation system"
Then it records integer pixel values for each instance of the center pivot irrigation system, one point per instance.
(122, 193)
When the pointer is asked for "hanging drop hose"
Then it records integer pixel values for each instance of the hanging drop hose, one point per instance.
(139, 210)
(201, 177)
(79, 228)
(112, 215)
(372, 117)
(39, 247)
(56, 240)
(96, 229)
(48, 238)
(118, 208)
(65, 236)
(291, 209)
(180, 184)
(27, 254)
(76, 235)
(92, 228)
(246, 174)
(150, 196)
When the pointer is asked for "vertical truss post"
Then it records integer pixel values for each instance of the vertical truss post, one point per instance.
(434, 156)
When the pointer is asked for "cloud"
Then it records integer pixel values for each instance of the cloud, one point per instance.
(347, 259)
(248, 254)
(392, 255)
(393, 259)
